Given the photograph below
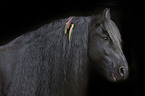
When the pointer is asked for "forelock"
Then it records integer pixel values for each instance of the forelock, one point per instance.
(113, 32)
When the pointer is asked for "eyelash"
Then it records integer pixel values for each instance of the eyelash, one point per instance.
(105, 38)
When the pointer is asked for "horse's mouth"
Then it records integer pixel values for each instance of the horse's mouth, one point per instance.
(116, 78)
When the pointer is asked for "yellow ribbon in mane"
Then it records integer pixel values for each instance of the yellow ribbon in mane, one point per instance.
(70, 30)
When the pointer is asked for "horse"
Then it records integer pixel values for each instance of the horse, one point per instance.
(56, 59)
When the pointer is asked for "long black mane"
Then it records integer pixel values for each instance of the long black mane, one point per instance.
(46, 61)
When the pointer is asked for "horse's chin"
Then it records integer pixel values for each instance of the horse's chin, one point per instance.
(112, 78)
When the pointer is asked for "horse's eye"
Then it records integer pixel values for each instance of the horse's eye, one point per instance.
(105, 38)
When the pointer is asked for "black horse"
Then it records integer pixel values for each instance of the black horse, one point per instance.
(56, 59)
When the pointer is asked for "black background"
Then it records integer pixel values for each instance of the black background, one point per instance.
(17, 18)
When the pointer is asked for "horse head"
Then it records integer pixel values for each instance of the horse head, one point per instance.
(105, 47)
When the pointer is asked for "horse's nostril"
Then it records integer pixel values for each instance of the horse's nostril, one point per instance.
(122, 70)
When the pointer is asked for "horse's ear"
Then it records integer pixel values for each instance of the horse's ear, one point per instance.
(106, 13)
